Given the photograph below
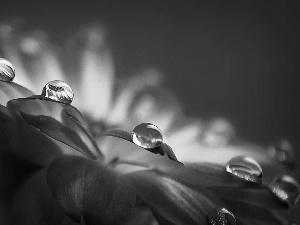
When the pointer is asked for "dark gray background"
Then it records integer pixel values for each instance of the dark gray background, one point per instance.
(239, 59)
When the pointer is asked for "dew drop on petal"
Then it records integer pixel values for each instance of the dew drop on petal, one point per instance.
(59, 91)
(286, 189)
(245, 168)
(7, 71)
(221, 216)
(147, 135)
(282, 151)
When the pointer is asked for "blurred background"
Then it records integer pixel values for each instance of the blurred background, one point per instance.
(236, 59)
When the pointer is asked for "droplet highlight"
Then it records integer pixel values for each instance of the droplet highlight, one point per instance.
(147, 135)
(221, 216)
(7, 71)
(245, 168)
(283, 152)
(59, 91)
(286, 189)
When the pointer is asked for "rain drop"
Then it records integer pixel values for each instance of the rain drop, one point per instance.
(221, 216)
(147, 135)
(59, 91)
(245, 168)
(286, 189)
(7, 70)
(282, 151)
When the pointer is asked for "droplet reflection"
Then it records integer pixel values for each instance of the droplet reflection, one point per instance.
(59, 91)
(7, 71)
(221, 216)
(245, 168)
(286, 189)
(147, 135)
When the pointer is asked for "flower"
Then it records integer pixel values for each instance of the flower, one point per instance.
(110, 164)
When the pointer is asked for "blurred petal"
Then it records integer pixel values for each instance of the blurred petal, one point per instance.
(11, 90)
(171, 200)
(87, 188)
(156, 106)
(259, 198)
(34, 204)
(98, 69)
(121, 107)
(252, 215)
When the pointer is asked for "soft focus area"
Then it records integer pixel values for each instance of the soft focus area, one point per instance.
(237, 59)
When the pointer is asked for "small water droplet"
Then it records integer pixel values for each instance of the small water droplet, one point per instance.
(245, 168)
(283, 152)
(7, 71)
(286, 189)
(59, 91)
(221, 216)
(147, 135)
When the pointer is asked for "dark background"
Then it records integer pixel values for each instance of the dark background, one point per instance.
(238, 59)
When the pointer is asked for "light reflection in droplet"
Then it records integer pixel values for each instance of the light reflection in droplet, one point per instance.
(7, 71)
(147, 135)
(59, 91)
(221, 216)
(286, 189)
(246, 168)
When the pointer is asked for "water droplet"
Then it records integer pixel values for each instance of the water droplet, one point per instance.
(59, 91)
(286, 189)
(147, 135)
(283, 152)
(219, 132)
(221, 216)
(7, 71)
(245, 168)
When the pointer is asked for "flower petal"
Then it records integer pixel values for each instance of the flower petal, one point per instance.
(249, 215)
(57, 120)
(173, 201)
(121, 107)
(162, 149)
(259, 198)
(98, 74)
(23, 141)
(34, 204)
(209, 175)
(86, 188)
(11, 90)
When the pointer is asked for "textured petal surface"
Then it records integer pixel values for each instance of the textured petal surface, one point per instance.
(173, 201)
(34, 204)
(85, 188)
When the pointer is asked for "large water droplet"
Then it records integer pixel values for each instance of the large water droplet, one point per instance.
(245, 168)
(147, 135)
(221, 216)
(7, 71)
(282, 151)
(59, 91)
(286, 189)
